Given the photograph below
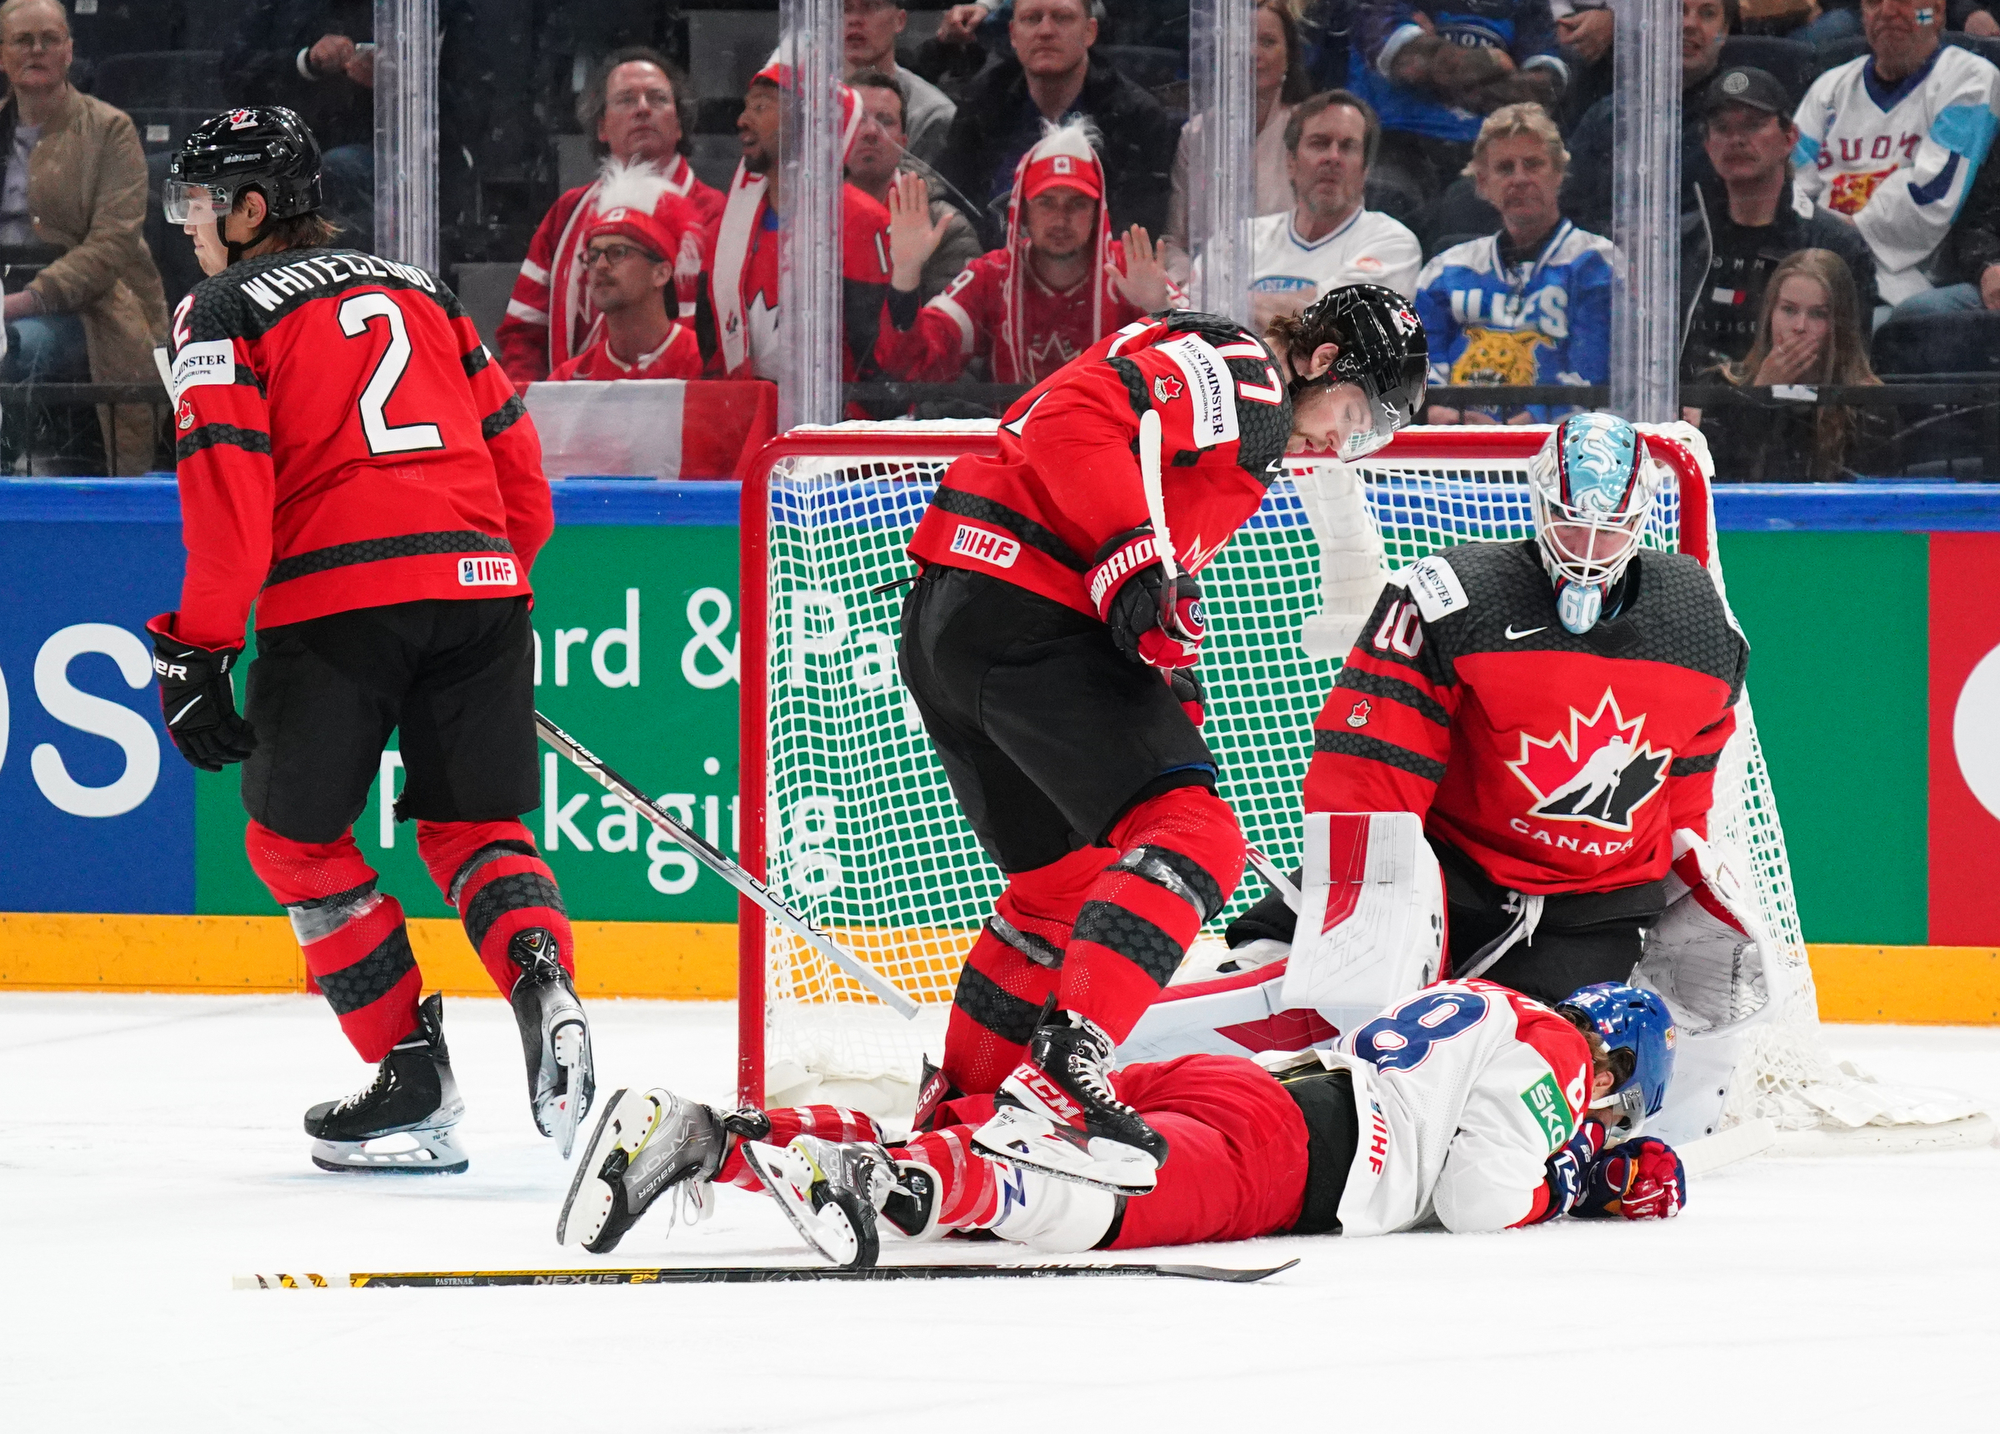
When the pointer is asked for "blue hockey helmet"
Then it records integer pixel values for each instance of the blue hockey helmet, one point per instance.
(1638, 1029)
(1592, 487)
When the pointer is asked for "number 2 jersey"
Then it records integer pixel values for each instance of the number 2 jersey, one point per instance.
(1557, 762)
(343, 440)
(1462, 1092)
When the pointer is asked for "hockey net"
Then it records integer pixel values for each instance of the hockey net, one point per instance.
(847, 813)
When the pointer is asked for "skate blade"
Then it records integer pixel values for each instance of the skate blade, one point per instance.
(1021, 1137)
(590, 1197)
(571, 1047)
(403, 1152)
(789, 1176)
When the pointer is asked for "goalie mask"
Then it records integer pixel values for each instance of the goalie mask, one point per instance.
(1383, 357)
(1638, 1030)
(1592, 487)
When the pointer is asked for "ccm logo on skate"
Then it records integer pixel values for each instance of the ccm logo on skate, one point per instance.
(485, 572)
(1049, 1094)
(985, 546)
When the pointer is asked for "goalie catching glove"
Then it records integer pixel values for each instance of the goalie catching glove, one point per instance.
(198, 699)
(1153, 618)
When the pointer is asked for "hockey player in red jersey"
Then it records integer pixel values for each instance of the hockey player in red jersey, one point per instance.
(353, 463)
(1554, 710)
(1061, 283)
(630, 257)
(1050, 655)
(1466, 1106)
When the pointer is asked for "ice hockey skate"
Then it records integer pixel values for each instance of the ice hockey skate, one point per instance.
(647, 1144)
(1056, 1113)
(412, 1096)
(830, 1192)
(555, 1037)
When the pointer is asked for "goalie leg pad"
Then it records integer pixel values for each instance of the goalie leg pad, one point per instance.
(1012, 970)
(1181, 856)
(353, 937)
(1371, 926)
(492, 873)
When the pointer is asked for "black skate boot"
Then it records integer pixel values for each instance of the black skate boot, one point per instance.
(555, 1037)
(1057, 1114)
(412, 1094)
(911, 1204)
(648, 1144)
(830, 1193)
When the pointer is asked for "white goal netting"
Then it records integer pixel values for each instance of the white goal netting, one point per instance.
(862, 832)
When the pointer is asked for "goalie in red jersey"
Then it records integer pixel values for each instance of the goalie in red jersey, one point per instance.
(1051, 654)
(353, 462)
(1553, 710)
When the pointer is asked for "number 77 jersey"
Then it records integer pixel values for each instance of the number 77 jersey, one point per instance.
(343, 440)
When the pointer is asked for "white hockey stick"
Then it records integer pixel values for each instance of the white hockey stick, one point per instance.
(799, 925)
(1276, 879)
(1156, 503)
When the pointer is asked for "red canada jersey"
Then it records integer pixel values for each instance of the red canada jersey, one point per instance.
(344, 440)
(1066, 480)
(678, 356)
(1557, 762)
(970, 319)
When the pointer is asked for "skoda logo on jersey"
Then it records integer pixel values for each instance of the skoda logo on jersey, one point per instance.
(1599, 771)
(1166, 390)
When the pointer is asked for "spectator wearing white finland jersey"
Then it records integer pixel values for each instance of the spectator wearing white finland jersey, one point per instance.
(1326, 240)
(1893, 139)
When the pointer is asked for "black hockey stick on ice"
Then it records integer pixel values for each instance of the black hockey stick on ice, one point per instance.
(798, 924)
(744, 1275)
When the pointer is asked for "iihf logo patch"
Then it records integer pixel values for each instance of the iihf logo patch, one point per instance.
(1166, 390)
(1599, 771)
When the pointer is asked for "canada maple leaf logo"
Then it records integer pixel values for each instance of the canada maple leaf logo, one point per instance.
(1599, 771)
(1166, 390)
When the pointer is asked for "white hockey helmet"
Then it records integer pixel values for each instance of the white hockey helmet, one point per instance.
(1592, 487)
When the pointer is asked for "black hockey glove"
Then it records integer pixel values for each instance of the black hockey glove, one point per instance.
(1151, 621)
(198, 700)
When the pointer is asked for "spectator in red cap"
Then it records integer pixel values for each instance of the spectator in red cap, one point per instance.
(628, 255)
(1059, 285)
(635, 107)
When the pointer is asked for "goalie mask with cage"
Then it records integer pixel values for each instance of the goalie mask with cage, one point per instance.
(1638, 1030)
(1591, 487)
(1377, 375)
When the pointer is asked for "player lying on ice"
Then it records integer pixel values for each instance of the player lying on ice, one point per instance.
(1467, 1106)
(352, 461)
(1550, 713)
(1050, 654)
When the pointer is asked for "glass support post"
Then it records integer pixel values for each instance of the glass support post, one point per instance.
(1222, 153)
(406, 127)
(1645, 210)
(809, 241)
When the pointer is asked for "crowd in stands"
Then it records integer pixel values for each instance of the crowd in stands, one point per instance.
(1017, 185)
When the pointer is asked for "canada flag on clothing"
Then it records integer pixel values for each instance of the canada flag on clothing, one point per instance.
(1599, 770)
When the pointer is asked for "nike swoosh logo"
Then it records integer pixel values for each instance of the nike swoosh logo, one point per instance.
(1513, 636)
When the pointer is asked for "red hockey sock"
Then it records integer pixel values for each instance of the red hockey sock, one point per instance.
(493, 874)
(1012, 969)
(1181, 858)
(353, 937)
(828, 1122)
(968, 1183)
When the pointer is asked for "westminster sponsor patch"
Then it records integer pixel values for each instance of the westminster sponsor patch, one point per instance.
(209, 361)
(1211, 389)
(1436, 588)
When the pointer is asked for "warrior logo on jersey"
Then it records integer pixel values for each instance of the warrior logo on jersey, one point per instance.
(1599, 771)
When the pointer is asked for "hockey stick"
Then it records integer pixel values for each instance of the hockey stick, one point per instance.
(743, 1275)
(799, 925)
(1156, 510)
(1276, 880)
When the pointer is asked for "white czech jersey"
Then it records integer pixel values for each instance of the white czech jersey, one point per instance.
(1897, 159)
(1463, 1092)
(1370, 248)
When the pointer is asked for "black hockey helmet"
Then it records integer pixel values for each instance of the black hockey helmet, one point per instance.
(1383, 352)
(263, 147)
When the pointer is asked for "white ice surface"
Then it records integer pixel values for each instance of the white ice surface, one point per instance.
(150, 1148)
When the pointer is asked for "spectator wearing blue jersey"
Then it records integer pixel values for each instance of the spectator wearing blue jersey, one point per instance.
(1433, 72)
(1530, 305)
